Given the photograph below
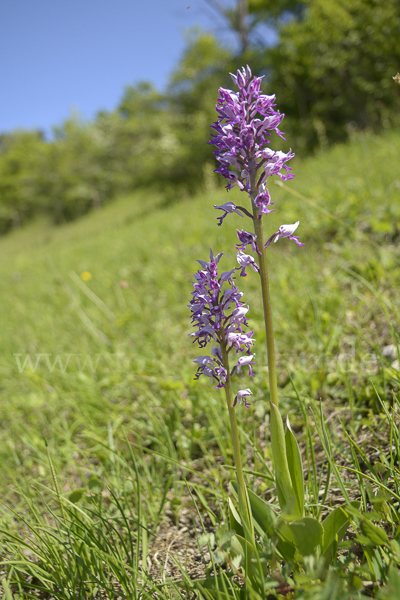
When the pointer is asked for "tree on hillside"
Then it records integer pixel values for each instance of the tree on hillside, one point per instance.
(148, 134)
(22, 155)
(192, 95)
(80, 173)
(243, 18)
(332, 69)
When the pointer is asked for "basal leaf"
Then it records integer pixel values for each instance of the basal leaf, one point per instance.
(295, 466)
(308, 535)
(263, 514)
(234, 519)
(286, 496)
(335, 526)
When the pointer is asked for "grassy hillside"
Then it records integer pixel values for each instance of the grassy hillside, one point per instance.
(96, 312)
(140, 331)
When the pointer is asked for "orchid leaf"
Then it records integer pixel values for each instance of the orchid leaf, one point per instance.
(235, 520)
(295, 466)
(307, 535)
(268, 522)
(286, 495)
(263, 514)
(335, 526)
(236, 547)
(244, 544)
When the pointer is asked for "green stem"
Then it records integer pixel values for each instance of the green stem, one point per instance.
(244, 503)
(258, 230)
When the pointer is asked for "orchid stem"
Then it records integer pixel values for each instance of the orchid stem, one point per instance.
(244, 503)
(269, 330)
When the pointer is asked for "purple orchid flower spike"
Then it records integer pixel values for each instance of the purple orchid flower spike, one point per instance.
(241, 395)
(219, 316)
(285, 231)
(245, 121)
(245, 260)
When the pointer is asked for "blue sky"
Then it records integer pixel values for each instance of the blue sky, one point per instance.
(64, 55)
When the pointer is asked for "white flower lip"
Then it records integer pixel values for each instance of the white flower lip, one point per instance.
(286, 230)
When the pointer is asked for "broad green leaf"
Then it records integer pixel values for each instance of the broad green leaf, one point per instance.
(245, 544)
(267, 520)
(207, 539)
(94, 485)
(236, 561)
(363, 540)
(224, 540)
(236, 548)
(335, 526)
(286, 543)
(219, 557)
(75, 496)
(234, 519)
(286, 496)
(263, 514)
(281, 496)
(129, 486)
(295, 466)
(308, 535)
(395, 547)
(374, 533)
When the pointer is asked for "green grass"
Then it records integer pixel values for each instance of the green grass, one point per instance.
(128, 390)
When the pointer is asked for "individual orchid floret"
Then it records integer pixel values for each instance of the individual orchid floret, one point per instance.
(246, 238)
(241, 395)
(245, 260)
(244, 361)
(227, 276)
(206, 367)
(242, 78)
(228, 207)
(239, 316)
(219, 316)
(263, 201)
(240, 341)
(286, 231)
(272, 164)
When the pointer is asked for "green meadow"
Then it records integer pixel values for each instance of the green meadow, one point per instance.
(100, 415)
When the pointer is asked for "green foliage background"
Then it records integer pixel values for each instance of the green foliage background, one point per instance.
(331, 69)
